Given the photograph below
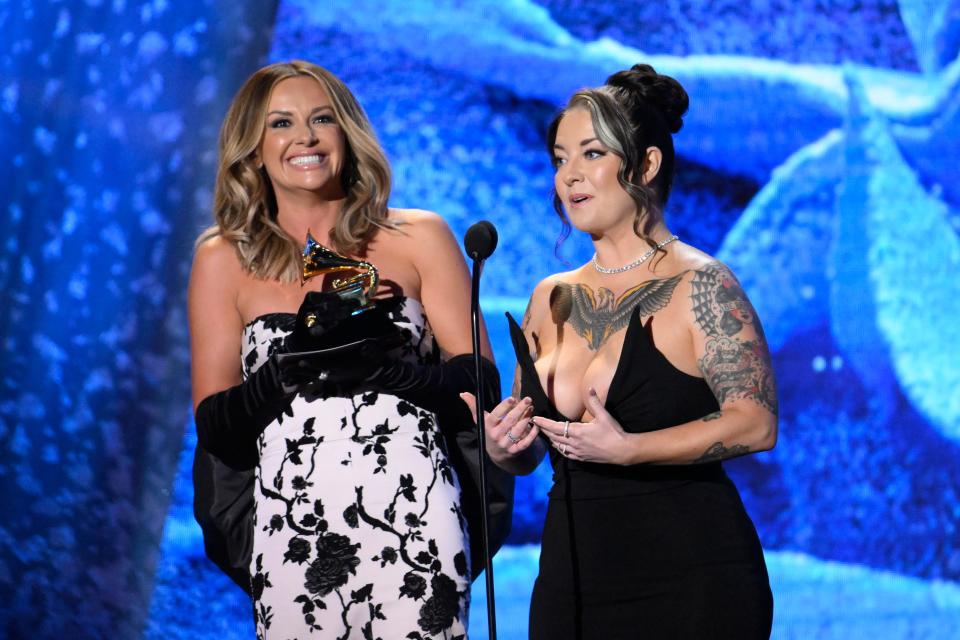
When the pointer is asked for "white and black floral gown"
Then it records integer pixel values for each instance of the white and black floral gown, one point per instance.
(358, 528)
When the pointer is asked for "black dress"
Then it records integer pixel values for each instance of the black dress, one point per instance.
(645, 551)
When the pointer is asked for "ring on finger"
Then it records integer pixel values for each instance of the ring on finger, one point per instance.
(566, 428)
(512, 438)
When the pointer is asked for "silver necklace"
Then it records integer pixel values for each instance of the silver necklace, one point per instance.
(636, 263)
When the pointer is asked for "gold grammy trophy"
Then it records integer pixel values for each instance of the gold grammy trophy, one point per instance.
(359, 284)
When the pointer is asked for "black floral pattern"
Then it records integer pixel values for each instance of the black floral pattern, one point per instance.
(298, 550)
(326, 573)
(361, 531)
(258, 582)
(414, 585)
(438, 612)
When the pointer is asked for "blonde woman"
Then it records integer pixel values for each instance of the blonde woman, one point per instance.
(358, 528)
(639, 373)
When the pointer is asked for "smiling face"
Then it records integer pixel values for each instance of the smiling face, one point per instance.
(586, 178)
(303, 148)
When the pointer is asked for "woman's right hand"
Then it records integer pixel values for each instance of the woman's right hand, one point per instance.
(510, 431)
(319, 312)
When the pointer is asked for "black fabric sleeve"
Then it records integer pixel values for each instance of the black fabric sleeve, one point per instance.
(437, 387)
(229, 421)
(223, 507)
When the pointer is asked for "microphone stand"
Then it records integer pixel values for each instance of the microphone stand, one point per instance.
(482, 440)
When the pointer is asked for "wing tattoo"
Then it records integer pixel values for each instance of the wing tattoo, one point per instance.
(596, 316)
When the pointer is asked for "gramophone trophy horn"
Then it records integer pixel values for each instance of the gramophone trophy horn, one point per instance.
(361, 285)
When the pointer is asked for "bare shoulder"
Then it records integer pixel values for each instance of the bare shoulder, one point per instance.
(546, 287)
(419, 223)
(719, 306)
(216, 325)
(686, 258)
(540, 296)
(414, 230)
(216, 254)
(216, 268)
(412, 216)
(538, 309)
(698, 267)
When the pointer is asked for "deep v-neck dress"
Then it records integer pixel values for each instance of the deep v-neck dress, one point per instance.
(645, 551)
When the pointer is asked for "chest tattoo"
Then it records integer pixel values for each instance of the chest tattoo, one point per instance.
(596, 316)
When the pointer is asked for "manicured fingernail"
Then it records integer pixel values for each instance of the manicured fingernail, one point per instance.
(593, 392)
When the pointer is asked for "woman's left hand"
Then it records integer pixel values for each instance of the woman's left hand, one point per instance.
(600, 440)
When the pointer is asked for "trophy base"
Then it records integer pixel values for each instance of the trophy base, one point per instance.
(366, 322)
(354, 349)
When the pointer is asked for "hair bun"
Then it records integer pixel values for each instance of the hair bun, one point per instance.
(642, 83)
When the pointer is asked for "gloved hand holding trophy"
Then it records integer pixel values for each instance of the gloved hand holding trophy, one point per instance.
(342, 334)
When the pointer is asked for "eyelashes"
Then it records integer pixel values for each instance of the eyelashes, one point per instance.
(283, 123)
(589, 154)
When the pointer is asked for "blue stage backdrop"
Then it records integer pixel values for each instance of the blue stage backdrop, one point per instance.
(818, 160)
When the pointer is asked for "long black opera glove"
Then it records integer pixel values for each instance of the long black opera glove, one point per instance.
(229, 421)
(325, 310)
(367, 365)
(436, 387)
(223, 507)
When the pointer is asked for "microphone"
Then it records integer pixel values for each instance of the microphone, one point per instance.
(480, 240)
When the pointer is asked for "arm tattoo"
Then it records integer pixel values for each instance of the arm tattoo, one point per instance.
(734, 367)
(597, 316)
(712, 416)
(719, 452)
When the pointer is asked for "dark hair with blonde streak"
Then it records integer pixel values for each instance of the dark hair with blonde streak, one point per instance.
(636, 109)
(245, 207)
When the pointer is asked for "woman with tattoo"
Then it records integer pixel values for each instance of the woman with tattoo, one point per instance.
(640, 372)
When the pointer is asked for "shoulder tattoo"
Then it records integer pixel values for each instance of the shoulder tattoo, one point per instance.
(736, 361)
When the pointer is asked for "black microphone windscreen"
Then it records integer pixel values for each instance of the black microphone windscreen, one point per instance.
(480, 240)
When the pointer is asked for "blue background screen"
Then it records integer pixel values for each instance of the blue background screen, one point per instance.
(818, 160)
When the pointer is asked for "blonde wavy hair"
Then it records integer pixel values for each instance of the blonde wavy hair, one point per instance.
(245, 208)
